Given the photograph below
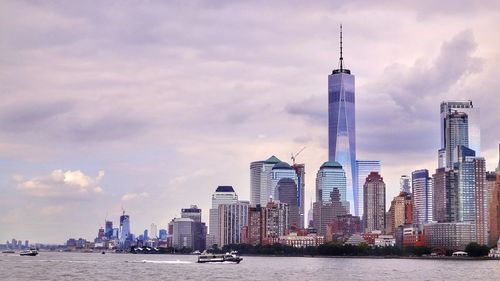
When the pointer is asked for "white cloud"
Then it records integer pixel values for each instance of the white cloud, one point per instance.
(67, 184)
(134, 196)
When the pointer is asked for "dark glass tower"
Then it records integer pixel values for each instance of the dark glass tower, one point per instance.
(342, 125)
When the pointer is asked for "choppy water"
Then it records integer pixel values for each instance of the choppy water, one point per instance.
(125, 267)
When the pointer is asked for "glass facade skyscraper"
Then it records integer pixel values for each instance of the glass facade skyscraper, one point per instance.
(459, 126)
(342, 125)
(363, 169)
(331, 177)
(422, 196)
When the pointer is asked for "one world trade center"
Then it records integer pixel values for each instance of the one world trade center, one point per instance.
(342, 125)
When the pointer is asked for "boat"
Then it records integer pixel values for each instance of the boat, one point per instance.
(8, 252)
(227, 257)
(30, 252)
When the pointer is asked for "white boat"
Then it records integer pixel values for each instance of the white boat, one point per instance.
(30, 252)
(227, 257)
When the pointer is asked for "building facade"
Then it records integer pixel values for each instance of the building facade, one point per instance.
(400, 212)
(232, 219)
(459, 126)
(374, 203)
(422, 197)
(405, 184)
(193, 212)
(222, 195)
(331, 177)
(363, 169)
(449, 235)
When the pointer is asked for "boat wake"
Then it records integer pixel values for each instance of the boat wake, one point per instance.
(163, 262)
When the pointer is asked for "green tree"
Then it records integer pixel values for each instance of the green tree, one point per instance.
(476, 250)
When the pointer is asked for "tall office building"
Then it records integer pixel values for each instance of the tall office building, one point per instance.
(325, 212)
(342, 125)
(331, 176)
(193, 212)
(363, 169)
(108, 229)
(259, 176)
(232, 219)
(188, 233)
(222, 195)
(300, 170)
(422, 197)
(374, 203)
(153, 231)
(124, 229)
(280, 173)
(405, 184)
(459, 126)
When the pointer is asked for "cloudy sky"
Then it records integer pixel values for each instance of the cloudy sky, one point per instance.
(150, 105)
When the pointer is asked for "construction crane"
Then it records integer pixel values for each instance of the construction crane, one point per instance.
(297, 154)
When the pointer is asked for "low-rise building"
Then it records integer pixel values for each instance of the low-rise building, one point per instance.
(452, 235)
(385, 241)
(301, 241)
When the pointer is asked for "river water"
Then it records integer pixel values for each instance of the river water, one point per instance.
(125, 267)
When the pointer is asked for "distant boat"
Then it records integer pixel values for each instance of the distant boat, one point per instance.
(30, 252)
(8, 252)
(227, 257)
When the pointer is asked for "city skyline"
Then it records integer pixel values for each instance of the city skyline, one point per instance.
(101, 112)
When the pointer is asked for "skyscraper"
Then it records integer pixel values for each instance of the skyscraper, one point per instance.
(259, 176)
(124, 229)
(422, 196)
(473, 193)
(192, 212)
(232, 218)
(445, 195)
(342, 125)
(331, 177)
(222, 195)
(405, 184)
(400, 212)
(374, 203)
(108, 229)
(459, 126)
(363, 169)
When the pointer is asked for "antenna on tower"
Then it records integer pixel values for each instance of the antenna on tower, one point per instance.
(341, 58)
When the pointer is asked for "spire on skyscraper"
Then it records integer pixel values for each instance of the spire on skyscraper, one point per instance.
(341, 58)
(341, 68)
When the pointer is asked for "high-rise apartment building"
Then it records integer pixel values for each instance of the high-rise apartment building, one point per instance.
(459, 126)
(422, 197)
(494, 198)
(363, 169)
(374, 203)
(277, 220)
(400, 212)
(232, 219)
(222, 195)
(342, 125)
(445, 195)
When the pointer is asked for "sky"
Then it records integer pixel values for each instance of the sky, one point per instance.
(150, 105)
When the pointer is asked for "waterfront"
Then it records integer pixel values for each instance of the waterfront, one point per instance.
(123, 267)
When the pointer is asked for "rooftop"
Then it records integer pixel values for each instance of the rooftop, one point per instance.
(272, 160)
(331, 164)
(282, 166)
(224, 188)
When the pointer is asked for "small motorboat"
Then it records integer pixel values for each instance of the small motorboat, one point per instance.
(30, 252)
(8, 252)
